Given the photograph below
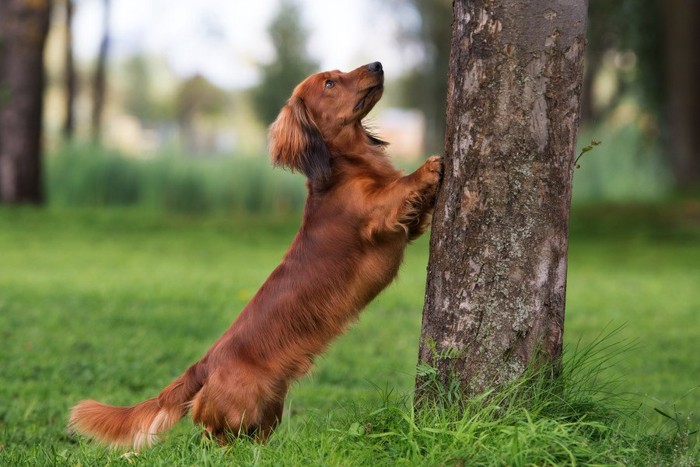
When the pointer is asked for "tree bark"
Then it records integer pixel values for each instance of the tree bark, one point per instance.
(23, 28)
(498, 254)
(683, 91)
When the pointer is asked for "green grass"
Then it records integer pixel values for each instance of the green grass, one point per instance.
(112, 304)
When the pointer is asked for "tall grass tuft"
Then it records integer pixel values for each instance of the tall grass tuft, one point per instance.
(575, 419)
(83, 175)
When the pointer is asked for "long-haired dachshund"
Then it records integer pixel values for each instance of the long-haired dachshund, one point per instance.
(360, 214)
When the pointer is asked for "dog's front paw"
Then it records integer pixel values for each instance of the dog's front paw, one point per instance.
(433, 169)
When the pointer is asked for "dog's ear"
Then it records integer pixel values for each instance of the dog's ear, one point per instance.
(296, 142)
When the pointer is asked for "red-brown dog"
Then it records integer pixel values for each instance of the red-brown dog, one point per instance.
(360, 214)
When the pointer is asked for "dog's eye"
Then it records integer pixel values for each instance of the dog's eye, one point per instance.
(329, 84)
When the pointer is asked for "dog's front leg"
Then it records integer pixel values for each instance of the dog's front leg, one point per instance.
(407, 203)
(424, 209)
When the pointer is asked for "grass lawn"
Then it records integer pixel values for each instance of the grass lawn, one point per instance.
(113, 304)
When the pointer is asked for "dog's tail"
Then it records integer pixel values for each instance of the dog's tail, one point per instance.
(138, 425)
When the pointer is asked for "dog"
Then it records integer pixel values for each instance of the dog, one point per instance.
(359, 216)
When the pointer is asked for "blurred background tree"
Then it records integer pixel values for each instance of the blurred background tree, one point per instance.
(290, 66)
(23, 28)
(99, 83)
(682, 78)
(69, 72)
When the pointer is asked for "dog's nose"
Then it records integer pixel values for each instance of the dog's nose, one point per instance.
(375, 67)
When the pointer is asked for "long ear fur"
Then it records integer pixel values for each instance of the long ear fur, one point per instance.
(296, 143)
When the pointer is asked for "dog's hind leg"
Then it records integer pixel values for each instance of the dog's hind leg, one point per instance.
(271, 418)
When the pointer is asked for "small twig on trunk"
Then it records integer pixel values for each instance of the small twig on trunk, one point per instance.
(593, 144)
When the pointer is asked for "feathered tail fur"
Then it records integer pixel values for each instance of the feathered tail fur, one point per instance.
(138, 425)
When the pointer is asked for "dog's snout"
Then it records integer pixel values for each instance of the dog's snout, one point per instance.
(375, 67)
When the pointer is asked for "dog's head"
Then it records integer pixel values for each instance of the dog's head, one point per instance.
(321, 108)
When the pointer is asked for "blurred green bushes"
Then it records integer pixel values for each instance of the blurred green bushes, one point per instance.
(85, 175)
(626, 167)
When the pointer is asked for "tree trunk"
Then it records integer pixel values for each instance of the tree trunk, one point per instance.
(498, 253)
(683, 90)
(23, 28)
(69, 123)
(100, 81)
